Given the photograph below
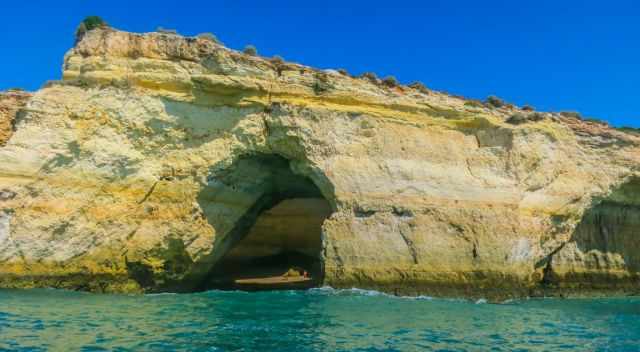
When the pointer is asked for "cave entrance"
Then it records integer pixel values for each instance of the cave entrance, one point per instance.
(283, 244)
(277, 242)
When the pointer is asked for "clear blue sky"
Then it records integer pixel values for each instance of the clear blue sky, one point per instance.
(554, 55)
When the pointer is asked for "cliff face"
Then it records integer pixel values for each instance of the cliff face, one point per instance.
(156, 156)
(10, 103)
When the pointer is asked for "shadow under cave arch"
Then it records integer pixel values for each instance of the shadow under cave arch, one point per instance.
(268, 217)
(603, 252)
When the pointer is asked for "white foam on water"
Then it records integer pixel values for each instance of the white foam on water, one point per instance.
(161, 294)
(354, 291)
(328, 290)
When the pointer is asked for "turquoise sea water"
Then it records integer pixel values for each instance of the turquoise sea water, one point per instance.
(315, 320)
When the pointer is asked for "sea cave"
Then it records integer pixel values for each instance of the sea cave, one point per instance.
(277, 241)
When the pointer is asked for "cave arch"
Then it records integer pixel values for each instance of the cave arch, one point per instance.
(268, 217)
(609, 233)
(603, 252)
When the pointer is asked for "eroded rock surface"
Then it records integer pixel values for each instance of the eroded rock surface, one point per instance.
(124, 177)
(10, 104)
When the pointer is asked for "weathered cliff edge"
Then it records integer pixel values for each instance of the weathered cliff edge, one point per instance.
(124, 178)
(10, 104)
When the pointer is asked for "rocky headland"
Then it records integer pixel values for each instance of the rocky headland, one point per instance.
(160, 161)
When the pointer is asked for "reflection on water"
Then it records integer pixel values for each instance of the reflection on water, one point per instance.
(316, 320)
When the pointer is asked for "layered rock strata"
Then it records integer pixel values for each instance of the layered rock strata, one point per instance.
(156, 154)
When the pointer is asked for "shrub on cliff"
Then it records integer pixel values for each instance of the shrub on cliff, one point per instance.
(88, 24)
(321, 84)
(536, 116)
(93, 22)
(474, 103)
(419, 86)
(210, 37)
(628, 129)
(495, 102)
(370, 76)
(519, 117)
(166, 30)
(250, 50)
(573, 114)
(528, 107)
(277, 60)
(596, 121)
(390, 81)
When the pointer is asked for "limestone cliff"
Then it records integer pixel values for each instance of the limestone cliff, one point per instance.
(157, 154)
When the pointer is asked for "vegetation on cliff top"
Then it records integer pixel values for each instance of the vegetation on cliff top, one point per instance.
(628, 129)
(419, 86)
(573, 114)
(210, 36)
(519, 117)
(491, 102)
(250, 50)
(88, 24)
(390, 81)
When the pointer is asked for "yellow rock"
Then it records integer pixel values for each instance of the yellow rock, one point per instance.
(139, 171)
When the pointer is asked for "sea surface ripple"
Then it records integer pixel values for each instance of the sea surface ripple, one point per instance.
(315, 320)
